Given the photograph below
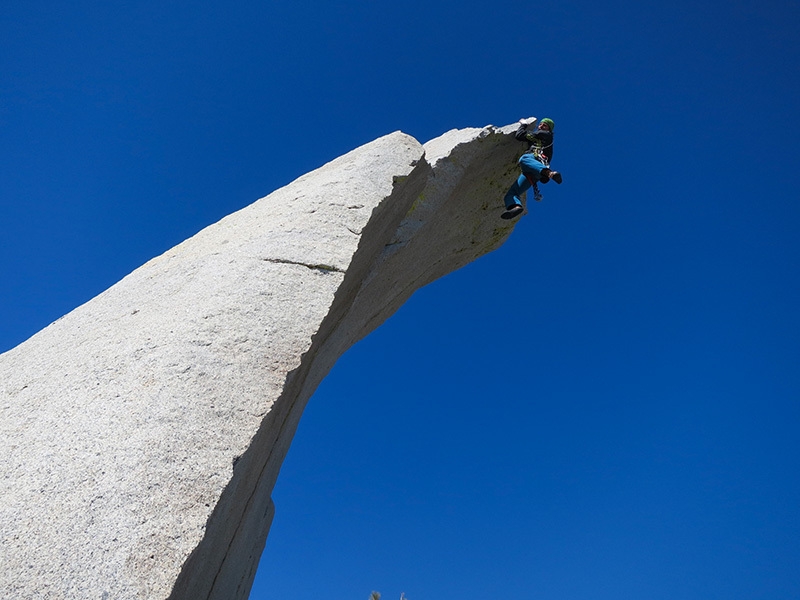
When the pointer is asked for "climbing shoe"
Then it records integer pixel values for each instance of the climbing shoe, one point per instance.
(513, 211)
(556, 176)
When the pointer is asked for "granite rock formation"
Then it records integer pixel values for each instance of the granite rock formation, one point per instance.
(143, 432)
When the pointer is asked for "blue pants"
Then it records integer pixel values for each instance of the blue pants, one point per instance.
(530, 165)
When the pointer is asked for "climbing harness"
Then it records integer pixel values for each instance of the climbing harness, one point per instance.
(538, 152)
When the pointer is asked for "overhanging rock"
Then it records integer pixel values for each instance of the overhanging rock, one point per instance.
(143, 432)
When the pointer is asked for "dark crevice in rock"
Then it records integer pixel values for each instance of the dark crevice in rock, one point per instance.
(324, 268)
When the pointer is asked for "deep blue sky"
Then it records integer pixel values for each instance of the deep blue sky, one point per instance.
(607, 407)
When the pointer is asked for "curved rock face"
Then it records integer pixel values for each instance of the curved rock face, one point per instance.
(143, 432)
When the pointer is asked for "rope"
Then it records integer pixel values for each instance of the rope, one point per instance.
(538, 152)
(537, 195)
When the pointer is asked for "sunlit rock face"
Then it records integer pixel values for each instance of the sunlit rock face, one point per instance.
(143, 432)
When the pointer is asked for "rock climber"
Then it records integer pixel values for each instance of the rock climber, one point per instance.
(535, 164)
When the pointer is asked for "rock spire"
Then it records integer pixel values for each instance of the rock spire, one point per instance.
(142, 433)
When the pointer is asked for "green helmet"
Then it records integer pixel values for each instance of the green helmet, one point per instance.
(548, 122)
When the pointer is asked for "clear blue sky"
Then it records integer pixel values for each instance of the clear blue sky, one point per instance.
(607, 407)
